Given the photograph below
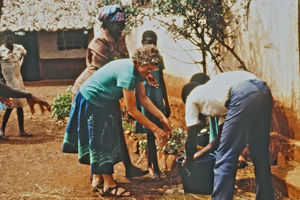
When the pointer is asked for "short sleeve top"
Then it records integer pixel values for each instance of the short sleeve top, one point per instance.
(106, 85)
(209, 99)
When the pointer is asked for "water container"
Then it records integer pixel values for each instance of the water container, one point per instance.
(199, 178)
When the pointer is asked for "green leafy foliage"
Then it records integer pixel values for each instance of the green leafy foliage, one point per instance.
(175, 143)
(128, 122)
(208, 24)
(128, 126)
(61, 105)
(143, 145)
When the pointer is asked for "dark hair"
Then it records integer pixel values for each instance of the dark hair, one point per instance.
(104, 25)
(196, 80)
(149, 34)
(200, 78)
(187, 88)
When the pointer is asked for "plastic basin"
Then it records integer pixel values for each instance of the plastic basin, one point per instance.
(199, 178)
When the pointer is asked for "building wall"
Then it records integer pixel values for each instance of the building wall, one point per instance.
(179, 56)
(61, 68)
(48, 47)
(69, 63)
(269, 45)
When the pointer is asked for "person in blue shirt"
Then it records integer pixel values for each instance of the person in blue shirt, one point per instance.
(94, 126)
(157, 93)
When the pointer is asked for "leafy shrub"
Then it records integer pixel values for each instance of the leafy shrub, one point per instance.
(128, 125)
(61, 105)
(143, 145)
(176, 142)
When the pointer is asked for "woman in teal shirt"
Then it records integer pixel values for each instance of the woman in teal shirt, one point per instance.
(95, 118)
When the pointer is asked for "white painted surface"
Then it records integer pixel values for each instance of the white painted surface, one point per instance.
(178, 56)
(270, 47)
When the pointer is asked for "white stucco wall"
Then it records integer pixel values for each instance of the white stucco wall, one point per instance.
(178, 56)
(269, 45)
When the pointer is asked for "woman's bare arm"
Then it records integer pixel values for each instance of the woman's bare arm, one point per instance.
(130, 101)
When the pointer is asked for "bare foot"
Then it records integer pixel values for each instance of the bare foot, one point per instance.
(97, 183)
(155, 177)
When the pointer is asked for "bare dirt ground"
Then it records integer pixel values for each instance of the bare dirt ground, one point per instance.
(34, 168)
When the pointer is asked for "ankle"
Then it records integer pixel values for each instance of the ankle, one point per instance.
(108, 181)
(97, 179)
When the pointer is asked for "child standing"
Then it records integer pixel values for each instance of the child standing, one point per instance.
(157, 93)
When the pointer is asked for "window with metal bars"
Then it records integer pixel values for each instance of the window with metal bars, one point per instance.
(72, 39)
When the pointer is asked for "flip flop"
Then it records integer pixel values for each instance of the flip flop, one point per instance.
(109, 192)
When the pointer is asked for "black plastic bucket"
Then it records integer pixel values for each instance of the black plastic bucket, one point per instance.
(199, 178)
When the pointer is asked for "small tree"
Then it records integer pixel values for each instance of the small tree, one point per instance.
(208, 24)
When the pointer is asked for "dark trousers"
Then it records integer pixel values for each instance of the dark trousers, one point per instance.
(248, 121)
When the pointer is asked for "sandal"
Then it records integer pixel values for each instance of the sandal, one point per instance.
(109, 192)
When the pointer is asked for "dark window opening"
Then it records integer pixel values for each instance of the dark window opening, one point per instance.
(72, 39)
(143, 2)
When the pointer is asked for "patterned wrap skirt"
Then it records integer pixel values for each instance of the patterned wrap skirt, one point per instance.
(93, 133)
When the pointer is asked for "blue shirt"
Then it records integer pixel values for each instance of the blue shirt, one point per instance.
(106, 85)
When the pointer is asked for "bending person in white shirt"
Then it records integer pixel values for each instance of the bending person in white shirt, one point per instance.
(246, 103)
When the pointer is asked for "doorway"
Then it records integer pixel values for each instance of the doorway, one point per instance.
(30, 69)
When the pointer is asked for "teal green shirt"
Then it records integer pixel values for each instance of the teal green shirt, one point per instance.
(106, 84)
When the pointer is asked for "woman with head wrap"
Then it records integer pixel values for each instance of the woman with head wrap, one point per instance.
(110, 45)
(95, 120)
